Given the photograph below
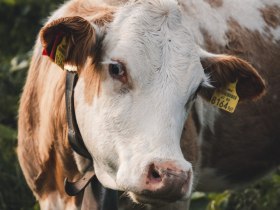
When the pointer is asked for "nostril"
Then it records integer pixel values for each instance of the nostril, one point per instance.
(166, 181)
(154, 174)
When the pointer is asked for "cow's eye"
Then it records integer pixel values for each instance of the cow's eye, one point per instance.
(116, 70)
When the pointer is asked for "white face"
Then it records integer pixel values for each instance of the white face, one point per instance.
(138, 117)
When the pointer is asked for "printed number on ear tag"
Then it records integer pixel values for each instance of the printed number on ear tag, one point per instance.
(60, 53)
(226, 99)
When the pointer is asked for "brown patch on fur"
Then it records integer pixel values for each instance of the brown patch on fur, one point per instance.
(98, 15)
(91, 12)
(215, 3)
(209, 42)
(189, 141)
(224, 69)
(271, 15)
(92, 77)
(116, 2)
(104, 17)
(245, 145)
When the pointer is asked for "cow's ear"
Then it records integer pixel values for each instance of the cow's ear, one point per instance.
(223, 70)
(68, 40)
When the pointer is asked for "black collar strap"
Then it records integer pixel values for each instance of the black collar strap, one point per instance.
(95, 195)
(74, 188)
(74, 136)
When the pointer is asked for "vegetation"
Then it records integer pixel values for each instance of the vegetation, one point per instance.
(262, 195)
(20, 21)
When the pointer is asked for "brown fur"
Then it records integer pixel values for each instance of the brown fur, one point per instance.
(86, 9)
(115, 2)
(215, 3)
(245, 145)
(189, 143)
(271, 15)
(92, 77)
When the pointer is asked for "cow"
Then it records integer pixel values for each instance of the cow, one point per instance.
(151, 74)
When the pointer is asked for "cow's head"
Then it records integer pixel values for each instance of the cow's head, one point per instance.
(138, 77)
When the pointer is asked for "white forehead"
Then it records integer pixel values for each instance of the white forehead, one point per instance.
(149, 36)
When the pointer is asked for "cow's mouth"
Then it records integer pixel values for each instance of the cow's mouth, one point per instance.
(153, 200)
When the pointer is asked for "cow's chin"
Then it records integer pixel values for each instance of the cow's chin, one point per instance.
(105, 179)
(143, 199)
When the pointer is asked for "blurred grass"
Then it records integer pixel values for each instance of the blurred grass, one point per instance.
(14, 193)
(20, 21)
(261, 195)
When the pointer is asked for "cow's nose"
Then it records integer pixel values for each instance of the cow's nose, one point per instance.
(166, 181)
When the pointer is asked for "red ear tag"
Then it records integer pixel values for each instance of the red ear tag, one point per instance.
(51, 53)
(45, 52)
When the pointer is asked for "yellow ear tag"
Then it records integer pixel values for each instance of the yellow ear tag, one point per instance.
(60, 53)
(226, 99)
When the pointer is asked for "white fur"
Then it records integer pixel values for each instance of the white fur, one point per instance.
(200, 15)
(127, 131)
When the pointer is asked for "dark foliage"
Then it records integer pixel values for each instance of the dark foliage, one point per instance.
(20, 21)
